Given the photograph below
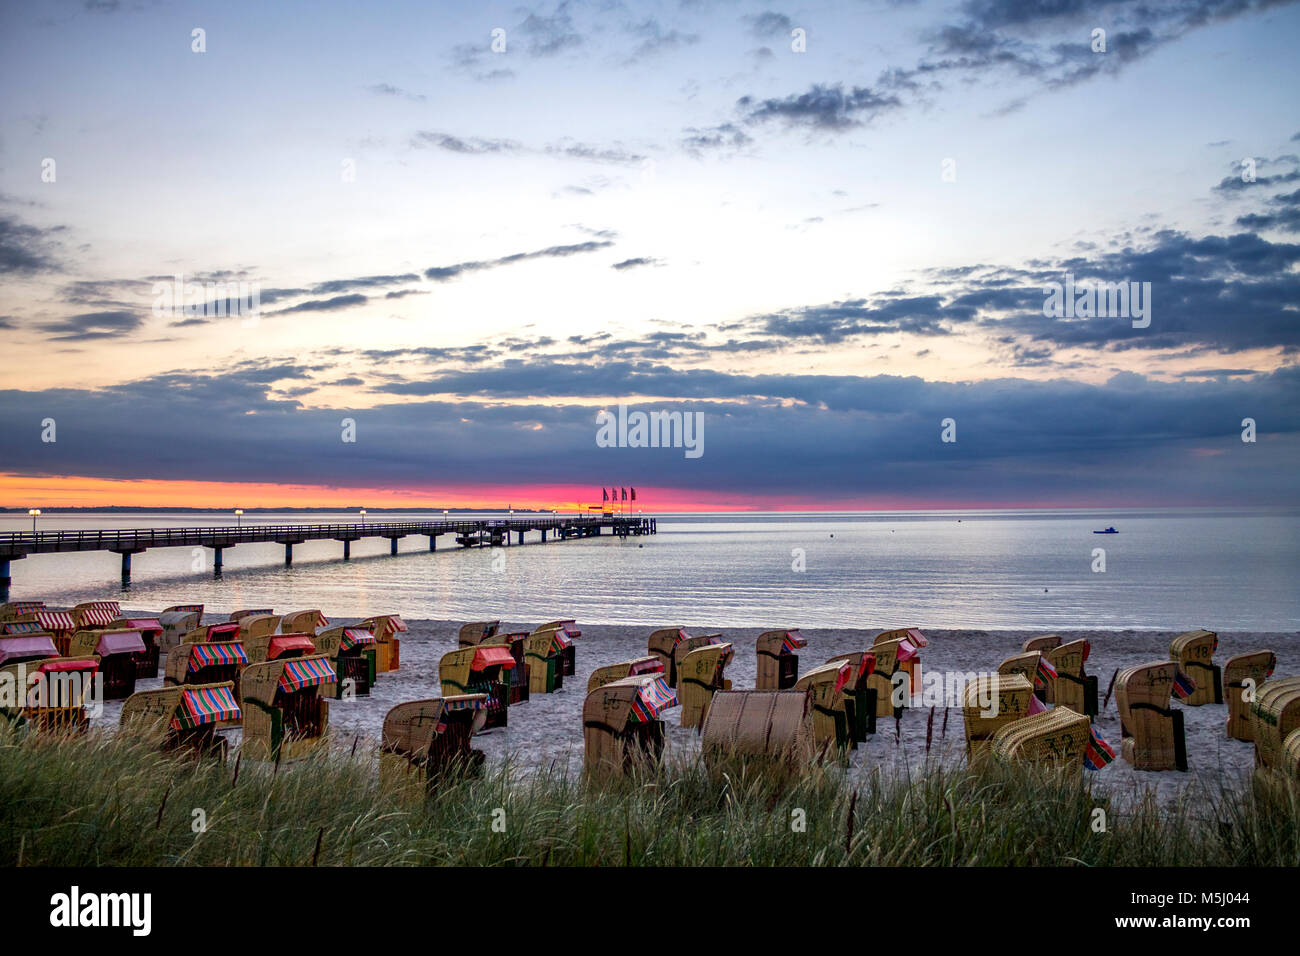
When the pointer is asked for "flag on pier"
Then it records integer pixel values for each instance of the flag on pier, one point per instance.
(605, 492)
(625, 494)
(634, 494)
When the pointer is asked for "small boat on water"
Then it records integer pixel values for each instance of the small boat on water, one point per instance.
(1107, 531)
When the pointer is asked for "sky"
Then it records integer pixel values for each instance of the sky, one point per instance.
(825, 230)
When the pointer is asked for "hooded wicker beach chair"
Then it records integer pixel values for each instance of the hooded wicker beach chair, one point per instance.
(699, 677)
(20, 610)
(257, 626)
(388, 646)
(250, 612)
(1058, 737)
(1044, 642)
(663, 645)
(542, 655)
(1256, 667)
(859, 697)
(91, 614)
(50, 694)
(118, 651)
(1024, 663)
(622, 727)
(770, 727)
(303, 622)
(1291, 755)
(825, 685)
(1153, 731)
(151, 632)
(1008, 697)
(633, 668)
(270, 647)
(1071, 687)
(1194, 652)
(478, 632)
(778, 660)
(177, 621)
(484, 669)
(351, 651)
(425, 741)
(911, 640)
(568, 655)
(286, 712)
(184, 718)
(210, 654)
(881, 679)
(1275, 715)
(561, 646)
(60, 625)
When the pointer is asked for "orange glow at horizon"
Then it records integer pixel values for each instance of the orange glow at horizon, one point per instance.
(52, 493)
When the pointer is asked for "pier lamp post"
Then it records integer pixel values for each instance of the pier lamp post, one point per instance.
(239, 517)
(35, 513)
(363, 515)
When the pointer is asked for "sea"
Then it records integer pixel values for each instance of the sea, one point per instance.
(1165, 569)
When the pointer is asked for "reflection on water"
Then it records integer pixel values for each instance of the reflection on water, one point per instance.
(983, 570)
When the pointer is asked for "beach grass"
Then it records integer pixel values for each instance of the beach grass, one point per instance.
(107, 800)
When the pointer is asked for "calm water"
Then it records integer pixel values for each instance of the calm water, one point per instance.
(1006, 570)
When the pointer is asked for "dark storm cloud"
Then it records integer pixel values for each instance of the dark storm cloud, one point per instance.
(447, 273)
(1130, 438)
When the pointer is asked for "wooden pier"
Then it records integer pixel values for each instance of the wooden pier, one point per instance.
(475, 532)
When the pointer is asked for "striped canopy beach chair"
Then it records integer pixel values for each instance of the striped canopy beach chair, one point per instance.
(285, 709)
(859, 697)
(49, 695)
(351, 650)
(621, 725)
(184, 718)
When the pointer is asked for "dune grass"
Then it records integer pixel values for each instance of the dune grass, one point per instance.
(107, 800)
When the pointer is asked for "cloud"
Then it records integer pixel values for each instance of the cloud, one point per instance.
(768, 24)
(550, 35)
(724, 136)
(655, 39)
(1129, 439)
(1284, 214)
(633, 263)
(469, 146)
(447, 273)
(822, 108)
(27, 250)
(92, 325)
(326, 305)
(388, 89)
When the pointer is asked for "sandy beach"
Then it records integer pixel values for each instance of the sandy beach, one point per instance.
(547, 729)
